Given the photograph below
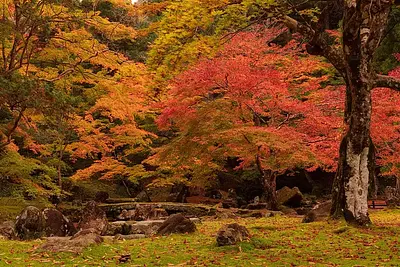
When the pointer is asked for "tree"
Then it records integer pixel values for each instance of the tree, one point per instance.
(249, 104)
(363, 28)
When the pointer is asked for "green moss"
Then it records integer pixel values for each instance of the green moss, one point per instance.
(276, 241)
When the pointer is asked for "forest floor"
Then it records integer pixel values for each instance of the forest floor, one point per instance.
(275, 241)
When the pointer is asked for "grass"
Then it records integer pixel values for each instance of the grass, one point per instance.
(11, 207)
(276, 241)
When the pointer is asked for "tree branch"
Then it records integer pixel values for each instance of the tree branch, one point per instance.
(333, 54)
(387, 81)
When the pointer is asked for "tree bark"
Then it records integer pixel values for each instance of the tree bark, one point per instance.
(363, 25)
(268, 181)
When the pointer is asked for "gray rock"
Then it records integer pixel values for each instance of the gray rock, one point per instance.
(176, 223)
(77, 243)
(56, 224)
(126, 215)
(93, 217)
(30, 224)
(319, 212)
(231, 234)
(291, 197)
(7, 230)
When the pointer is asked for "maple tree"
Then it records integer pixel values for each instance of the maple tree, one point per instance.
(249, 103)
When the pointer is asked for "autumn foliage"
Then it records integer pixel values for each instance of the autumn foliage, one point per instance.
(257, 96)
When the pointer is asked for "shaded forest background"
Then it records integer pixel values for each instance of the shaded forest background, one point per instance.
(191, 96)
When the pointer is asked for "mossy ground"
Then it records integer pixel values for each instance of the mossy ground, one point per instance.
(276, 241)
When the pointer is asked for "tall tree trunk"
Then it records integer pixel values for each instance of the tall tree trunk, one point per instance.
(356, 167)
(364, 23)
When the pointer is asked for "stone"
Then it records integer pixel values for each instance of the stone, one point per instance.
(30, 224)
(302, 210)
(76, 243)
(158, 213)
(126, 215)
(142, 212)
(149, 212)
(291, 197)
(7, 230)
(93, 217)
(319, 212)
(309, 217)
(101, 196)
(176, 223)
(118, 227)
(231, 234)
(147, 228)
(56, 224)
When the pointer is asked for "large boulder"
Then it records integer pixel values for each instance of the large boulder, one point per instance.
(30, 223)
(231, 234)
(291, 197)
(176, 223)
(56, 224)
(319, 213)
(93, 217)
(7, 230)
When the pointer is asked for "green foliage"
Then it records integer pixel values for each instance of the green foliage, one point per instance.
(384, 59)
(26, 177)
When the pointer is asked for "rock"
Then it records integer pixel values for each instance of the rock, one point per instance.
(142, 212)
(392, 197)
(101, 196)
(302, 210)
(30, 223)
(309, 217)
(93, 217)
(147, 228)
(320, 212)
(7, 230)
(231, 234)
(126, 215)
(189, 210)
(77, 243)
(176, 223)
(56, 224)
(289, 196)
(119, 227)
(149, 212)
(288, 211)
